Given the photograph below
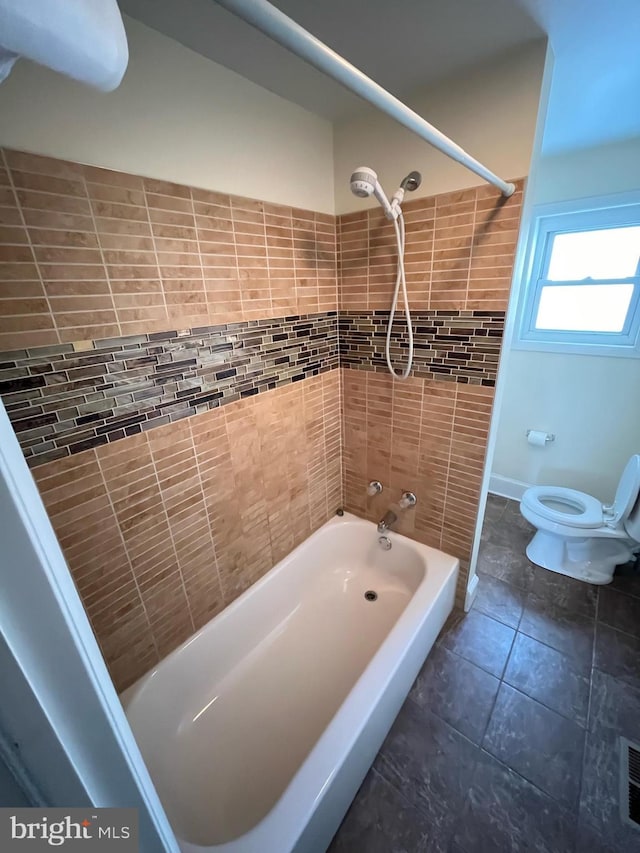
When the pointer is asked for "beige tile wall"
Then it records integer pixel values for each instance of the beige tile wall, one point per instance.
(420, 435)
(89, 253)
(163, 529)
(427, 436)
(459, 252)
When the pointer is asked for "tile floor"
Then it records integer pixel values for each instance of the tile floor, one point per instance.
(508, 739)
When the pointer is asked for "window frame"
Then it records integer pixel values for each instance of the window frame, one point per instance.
(580, 215)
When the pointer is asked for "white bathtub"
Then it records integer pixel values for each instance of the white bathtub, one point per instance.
(259, 730)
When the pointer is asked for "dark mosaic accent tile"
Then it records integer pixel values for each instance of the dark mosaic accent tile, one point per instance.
(454, 345)
(480, 640)
(380, 820)
(557, 681)
(459, 692)
(619, 611)
(618, 655)
(599, 800)
(506, 814)
(542, 746)
(500, 600)
(567, 632)
(87, 444)
(122, 384)
(572, 594)
(430, 763)
(500, 562)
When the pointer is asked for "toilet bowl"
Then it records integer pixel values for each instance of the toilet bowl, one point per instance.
(579, 536)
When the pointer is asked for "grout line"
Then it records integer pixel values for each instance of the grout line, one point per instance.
(104, 263)
(18, 205)
(155, 250)
(169, 528)
(204, 503)
(126, 553)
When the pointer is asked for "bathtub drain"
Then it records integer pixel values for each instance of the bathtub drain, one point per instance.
(370, 595)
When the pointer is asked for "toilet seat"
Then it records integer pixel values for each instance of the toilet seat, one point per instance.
(564, 506)
(580, 537)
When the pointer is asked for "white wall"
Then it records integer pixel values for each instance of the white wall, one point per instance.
(602, 170)
(490, 111)
(176, 116)
(591, 403)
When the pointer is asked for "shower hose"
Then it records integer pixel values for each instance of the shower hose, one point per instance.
(401, 280)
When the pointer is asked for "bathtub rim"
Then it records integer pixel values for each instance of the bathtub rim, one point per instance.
(311, 781)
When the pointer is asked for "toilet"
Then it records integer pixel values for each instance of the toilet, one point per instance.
(579, 536)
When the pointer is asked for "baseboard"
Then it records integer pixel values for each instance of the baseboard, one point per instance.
(472, 591)
(506, 487)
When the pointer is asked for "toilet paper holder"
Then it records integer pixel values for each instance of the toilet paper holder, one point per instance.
(548, 436)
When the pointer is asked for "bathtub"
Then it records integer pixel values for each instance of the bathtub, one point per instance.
(259, 730)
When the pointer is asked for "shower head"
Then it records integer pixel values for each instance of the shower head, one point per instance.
(411, 182)
(364, 182)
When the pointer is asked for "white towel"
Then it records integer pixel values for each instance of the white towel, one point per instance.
(84, 39)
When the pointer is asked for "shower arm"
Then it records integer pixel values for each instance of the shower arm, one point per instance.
(265, 17)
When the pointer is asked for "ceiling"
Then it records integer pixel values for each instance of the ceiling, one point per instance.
(595, 91)
(402, 44)
(409, 44)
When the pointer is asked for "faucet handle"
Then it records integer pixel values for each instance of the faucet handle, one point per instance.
(374, 488)
(408, 500)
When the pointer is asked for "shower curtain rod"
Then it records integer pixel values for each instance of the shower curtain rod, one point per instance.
(282, 29)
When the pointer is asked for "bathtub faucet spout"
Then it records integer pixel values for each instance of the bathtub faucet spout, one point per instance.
(388, 519)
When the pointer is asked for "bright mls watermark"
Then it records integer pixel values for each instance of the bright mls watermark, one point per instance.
(37, 830)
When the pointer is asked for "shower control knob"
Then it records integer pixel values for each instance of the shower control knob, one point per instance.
(374, 488)
(408, 500)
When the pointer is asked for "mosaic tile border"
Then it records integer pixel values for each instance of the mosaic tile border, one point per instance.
(67, 398)
(458, 346)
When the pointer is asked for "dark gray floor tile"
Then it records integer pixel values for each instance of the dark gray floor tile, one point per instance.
(513, 516)
(628, 582)
(380, 821)
(494, 509)
(500, 562)
(559, 682)
(506, 814)
(618, 654)
(456, 690)
(568, 632)
(619, 610)
(431, 763)
(481, 640)
(537, 743)
(614, 705)
(572, 594)
(500, 600)
(599, 801)
(512, 536)
(590, 840)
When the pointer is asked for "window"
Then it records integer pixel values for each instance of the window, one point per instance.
(583, 290)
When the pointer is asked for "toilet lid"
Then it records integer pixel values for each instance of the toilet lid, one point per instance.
(627, 491)
(564, 506)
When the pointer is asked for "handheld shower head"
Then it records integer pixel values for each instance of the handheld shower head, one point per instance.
(364, 182)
